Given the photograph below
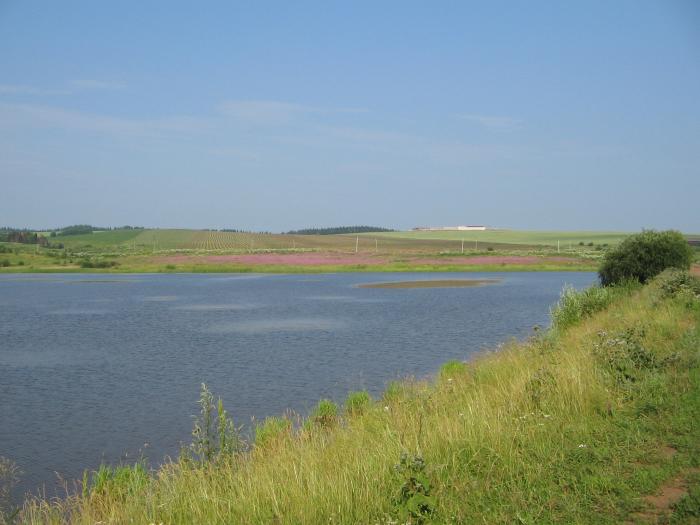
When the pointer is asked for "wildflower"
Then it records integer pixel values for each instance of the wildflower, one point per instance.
(449, 380)
(386, 408)
(582, 446)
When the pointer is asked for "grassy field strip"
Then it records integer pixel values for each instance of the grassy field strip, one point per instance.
(549, 238)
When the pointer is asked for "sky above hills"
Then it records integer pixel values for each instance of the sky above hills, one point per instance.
(281, 115)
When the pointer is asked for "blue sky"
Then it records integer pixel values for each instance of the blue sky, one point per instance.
(273, 116)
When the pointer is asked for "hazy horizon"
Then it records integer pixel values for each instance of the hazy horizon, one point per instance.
(531, 116)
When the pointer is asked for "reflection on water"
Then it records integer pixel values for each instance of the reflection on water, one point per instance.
(160, 298)
(343, 298)
(83, 384)
(213, 307)
(276, 325)
(78, 311)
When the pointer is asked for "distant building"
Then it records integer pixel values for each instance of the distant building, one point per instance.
(470, 228)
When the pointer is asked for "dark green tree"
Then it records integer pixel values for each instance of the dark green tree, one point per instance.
(643, 255)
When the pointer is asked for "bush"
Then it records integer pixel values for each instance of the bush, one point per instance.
(452, 368)
(271, 429)
(325, 413)
(357, 402)
(645, 255)
(414, 502)
(625, 356)
(9, 476)
(674, 282)
(120, 482)
(5, 263)
(98, 264)
(214, 434)
(573, 306)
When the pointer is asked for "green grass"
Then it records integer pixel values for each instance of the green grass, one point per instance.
(567, 427)
(518, 237)
(183, 239)
(99, 239)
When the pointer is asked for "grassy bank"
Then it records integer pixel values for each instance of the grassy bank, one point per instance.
(576, 425)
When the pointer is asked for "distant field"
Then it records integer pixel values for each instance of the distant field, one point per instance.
(395, 242)
(520, 237)
(101, 239)
(180, 239)
(386, 242)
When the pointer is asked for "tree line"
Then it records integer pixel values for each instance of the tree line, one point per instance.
(339, 230)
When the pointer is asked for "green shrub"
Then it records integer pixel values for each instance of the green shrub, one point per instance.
(674, 282)
(325, 414)
(271, 429)
(9, 476)
(452, 368)
(214, 434)
(357, 402)
(394, 391)
(645, 255)
(87, 263)
(540, 385)
(119, 482)
(5, 263)
(415, 504)
(573, 305)
(625, 355)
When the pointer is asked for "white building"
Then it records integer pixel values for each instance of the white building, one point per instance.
(470, 228)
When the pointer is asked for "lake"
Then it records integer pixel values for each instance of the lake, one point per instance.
(108, 368)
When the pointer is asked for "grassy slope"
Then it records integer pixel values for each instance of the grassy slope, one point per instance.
(541, 432)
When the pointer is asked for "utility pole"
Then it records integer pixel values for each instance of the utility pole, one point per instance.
(462, 245)
(357, 243)
(557, 246)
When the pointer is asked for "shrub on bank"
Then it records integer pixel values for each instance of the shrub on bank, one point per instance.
(575, 305)
(645, 255)
(271, 429)
(357, 402)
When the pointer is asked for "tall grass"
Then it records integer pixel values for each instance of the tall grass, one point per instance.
(575, 305)
(551, 430)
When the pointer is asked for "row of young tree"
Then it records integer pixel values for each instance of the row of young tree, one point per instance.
(339, 230)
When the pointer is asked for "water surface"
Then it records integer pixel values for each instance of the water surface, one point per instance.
(109, 368)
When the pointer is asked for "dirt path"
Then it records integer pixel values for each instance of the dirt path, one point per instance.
(659, 505)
